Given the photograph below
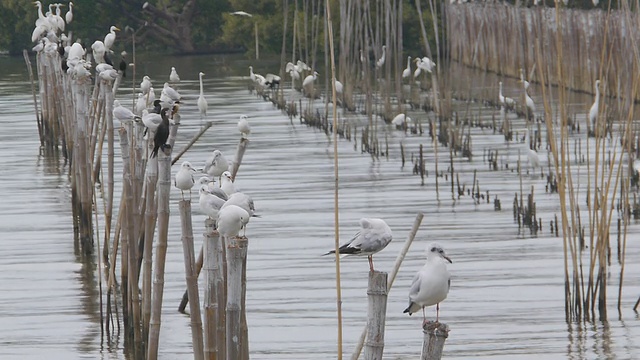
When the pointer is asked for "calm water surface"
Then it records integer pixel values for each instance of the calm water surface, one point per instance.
(506, 299)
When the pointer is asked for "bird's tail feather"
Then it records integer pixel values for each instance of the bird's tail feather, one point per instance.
(412, 308)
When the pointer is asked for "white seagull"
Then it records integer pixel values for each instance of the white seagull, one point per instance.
(243, 126)
(374, 235)
(184, 178)
(213, 188)
(226, 183)
(431, 284)
(174, 78)
(122, 113)
(216, 165)
(231, 220)
(244, 201)
(209, 203)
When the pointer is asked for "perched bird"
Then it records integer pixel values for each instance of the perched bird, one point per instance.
(145, 85)
(531, 108)
(293, 71)
(216, 165)
(242, 200)
(209, 203)
(407, 71)
(98, 50)
(423, 64)
(231, 220)
(184, 178)
(252, 75)
(226, 183)
(123, 64)
(69, 15)
(202, 102)
(169, 95)
(162, 133)
(151, 119)
(243, 126)
(382, 59)
(532, 154)
(431, 284)
(506, 101)
(122, 113)
(593, 112)
(307, 83)
(272, 81)
(213, 188)
(339, 87)
(174, 78)
(110, 38)
(374, 235)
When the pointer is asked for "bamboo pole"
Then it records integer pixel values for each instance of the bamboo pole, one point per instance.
(164, 186)
(150, 218)
(435, 334)
(190, 144)
(237, 160)
(392, 277)
(236, 254)
(212, 269)
(376, 314)
(185, 296)
(191, 278)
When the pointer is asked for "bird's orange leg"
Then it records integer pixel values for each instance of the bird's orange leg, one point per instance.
(370, 263)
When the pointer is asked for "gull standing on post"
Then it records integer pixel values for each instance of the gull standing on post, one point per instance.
(209, 203)
(374, 235)
(184, 178)
(431, 284)
(226, 183)
(173, 77)
(213, 188)
(122, 113)
(216, 165)
(243, 126)
(231, 220)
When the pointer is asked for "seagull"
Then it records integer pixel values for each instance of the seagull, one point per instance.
(122, 113)
(216, 165)
(209, 203)
(243, 200)
(169, 95)
(226, 183)
(431, 284)
(374, 235)
(184, 178)
(243, 126)
(213, 189)
(173, 77)
(145, 85)
(151, 120)
(231, 220)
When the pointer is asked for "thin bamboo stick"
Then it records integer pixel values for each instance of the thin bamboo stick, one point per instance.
(164, 186)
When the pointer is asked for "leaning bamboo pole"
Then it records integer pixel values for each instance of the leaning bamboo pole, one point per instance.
(164, 187)
(236, 255)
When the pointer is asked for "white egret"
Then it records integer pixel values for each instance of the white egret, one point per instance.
(339, 87)
(241, 13)
(202, 102)
(382, 59)
(110, 38)
(407, 71)
(593, 112)
(425, 64)
(531, 107)
(145, 85)
(243, 126)
(400, 119)
(302, 66)
(184, 178)
(532, 154)
(308, 81)
(57, 17)
(252, 76)
(430, 286)
(293, 72)
(69, 15)
(506, 101)
(174, 78)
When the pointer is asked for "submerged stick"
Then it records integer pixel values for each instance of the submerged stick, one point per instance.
(392, 276)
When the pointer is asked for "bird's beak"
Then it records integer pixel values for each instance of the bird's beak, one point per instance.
(447, 258)
(116, 29)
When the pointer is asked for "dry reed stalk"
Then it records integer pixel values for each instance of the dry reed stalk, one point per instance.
(336, 218)
(191, 278)
(164, 187)
(150, 218)
(190, 144)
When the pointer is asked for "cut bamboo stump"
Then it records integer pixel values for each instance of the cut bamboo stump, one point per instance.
(435, 334)
(191, 278)
(164, 187)
(236, 253)
(376, 313)
(211, 306)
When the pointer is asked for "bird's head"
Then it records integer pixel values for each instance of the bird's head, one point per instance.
(226, 175)
(114, 28)
(201, 74)
(243, 117)
(434, 250)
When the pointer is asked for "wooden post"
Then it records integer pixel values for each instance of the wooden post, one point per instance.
(435, 334)
(236, 252)
(211, 267)
(376, 314)
(164, 187)
(192, 278)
